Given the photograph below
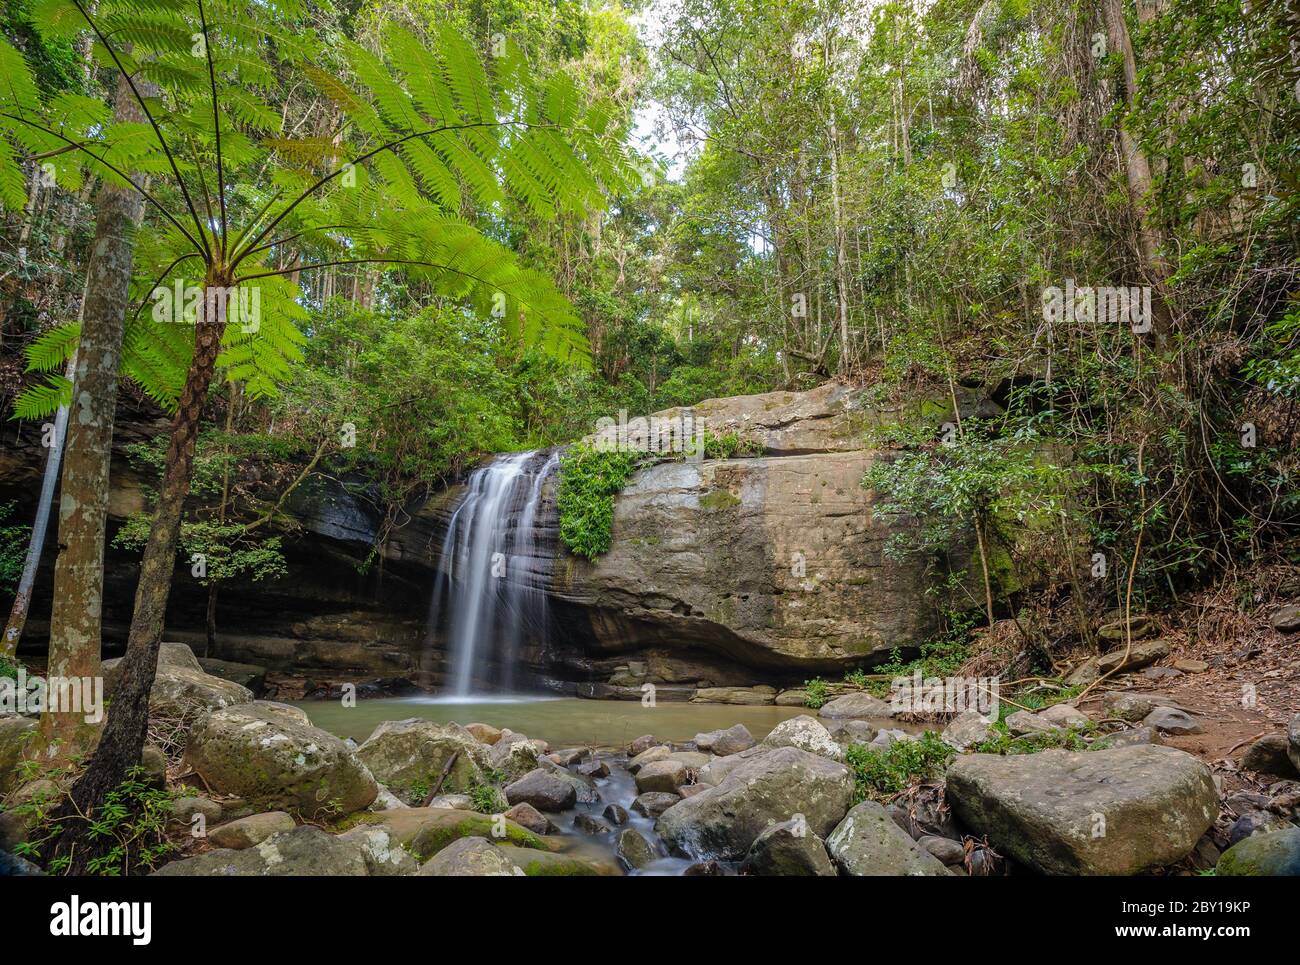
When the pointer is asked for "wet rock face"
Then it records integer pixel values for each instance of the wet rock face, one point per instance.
(775, 562)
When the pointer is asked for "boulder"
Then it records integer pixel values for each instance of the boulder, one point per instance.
(1269, 755)
(660, 752)
(792, 698)
(185, 808)
(850, 731)
(181, 688)
(1139, 625)
(269, 755)
(1143, 652)
(615, 814)
(584, 790)
(1127, 738)
(249, 675)
(384, 857)
(485, 733)
(722, 822)
(1286, 619)
(654, 803)
(1293, 741)
(426, 831)
(858, 705)
(527, 816)
(249, 831)
(451, 802)
(756, 696)
(733, 740)
(1118, 811)
(948, 851)
(788, 849)
(470, 857)
(1274, 854)
(409, 757)
(868, 843)
(1171, 720)
(642, 744)
(966, 730)
(1255, 822)
(633, 849)
(807, 734)
(15, 732)
(590, 824)
(1127, 706)
(661, 776)
(305, 851)
(543, 790)
(545, 864)
(593, 769)
(386, 800)
(1023, 722)
(515, 756)
(1064, 715)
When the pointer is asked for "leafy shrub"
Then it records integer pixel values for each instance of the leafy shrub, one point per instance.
(13, 550)
(133, 818)
(590, 478)
(878, 773)
(817, 692)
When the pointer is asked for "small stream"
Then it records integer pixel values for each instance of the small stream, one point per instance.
(604, 726)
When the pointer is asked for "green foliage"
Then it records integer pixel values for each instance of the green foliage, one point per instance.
(816, 693)
(590, 478)
(131, 824)
(882, 773)
(13, 549)
(9, 667)
(730, 445)
(487, 798)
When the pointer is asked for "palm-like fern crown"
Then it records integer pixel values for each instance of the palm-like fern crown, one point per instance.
(431, 135)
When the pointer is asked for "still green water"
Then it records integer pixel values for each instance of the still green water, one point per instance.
(564, 722)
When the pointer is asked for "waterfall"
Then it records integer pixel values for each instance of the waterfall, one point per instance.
(489, 595)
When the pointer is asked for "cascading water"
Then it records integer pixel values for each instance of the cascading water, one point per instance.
(489, 597)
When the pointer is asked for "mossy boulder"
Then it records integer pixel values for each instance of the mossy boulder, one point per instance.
(426, 831)
(272, 757)
(1276, 853)
(546, 864)
(409, 757)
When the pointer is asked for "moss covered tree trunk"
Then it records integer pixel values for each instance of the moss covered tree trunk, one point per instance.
(75, 620)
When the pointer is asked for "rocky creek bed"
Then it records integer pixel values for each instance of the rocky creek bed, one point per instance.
(257, 789)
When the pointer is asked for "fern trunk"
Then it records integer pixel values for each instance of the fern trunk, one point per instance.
(128, 717)
(75, 620)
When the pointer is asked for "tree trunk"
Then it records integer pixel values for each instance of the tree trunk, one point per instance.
(1137, 171)
(128, 717)
(23, 598)
(83, 497)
